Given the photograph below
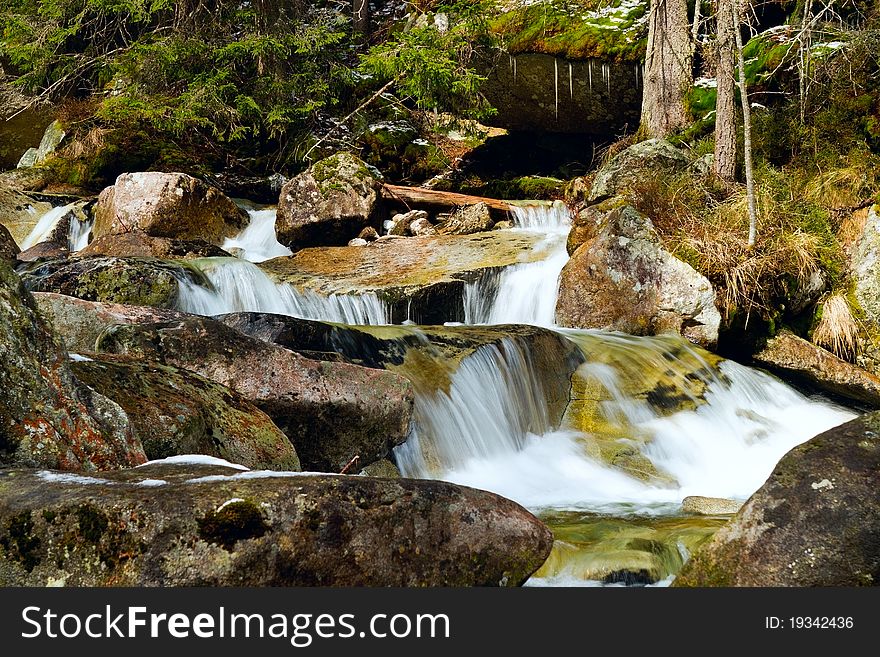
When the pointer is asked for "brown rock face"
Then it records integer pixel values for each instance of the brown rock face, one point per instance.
(330, 411)
(44, 251)
(269, 531)
(171, 205)
(177, 412)
(140, 245)
(8, 248)
(329, 204)
(47, 418)
(815, 522)
(795, 357)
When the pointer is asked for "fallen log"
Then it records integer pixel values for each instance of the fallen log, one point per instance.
(420, 197)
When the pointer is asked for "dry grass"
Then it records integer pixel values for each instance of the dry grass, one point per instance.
(845, 186)
(837, 330)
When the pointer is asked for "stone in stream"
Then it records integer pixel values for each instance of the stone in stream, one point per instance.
(330, 411)
(794, 357)
(814, 522)
(645, 158)
(710, 506)
(420, 278)
(329, 203)
(466, 221)
(402, 222)
(8, 248)
(133, 281)
(624, 280)
(47, 418)
(206, 525)
(138, 244)
(177, 412)
(44, 251)
(170, 205)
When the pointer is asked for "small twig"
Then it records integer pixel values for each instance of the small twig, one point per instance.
(351, 464)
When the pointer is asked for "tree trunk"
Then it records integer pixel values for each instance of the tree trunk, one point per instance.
(668, 71)
(432, 198)
(725, 105)
(361, 18)
(747, 128)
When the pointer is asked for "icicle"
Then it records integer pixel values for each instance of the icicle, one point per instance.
(608, 78)
(590, 68)
(570, 83)
(514, 69)
(556, 84)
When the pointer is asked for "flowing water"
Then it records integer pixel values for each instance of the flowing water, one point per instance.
(77, 235)
(258, 241)
(491, 427)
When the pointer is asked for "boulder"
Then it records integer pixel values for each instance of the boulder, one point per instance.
(175, 412)
(587, 222)
(169, 524)
(418, 278)
(137, 244)
(171, 205)
(20, 212)
(865, 266)
(710, 506)
(403, 221)
(330, 411)
(794, 357)
(132, 281)
(47, 418)
(80, 322)
(328, 204)
(635, 162)
(422, 228)
(369, 234)
(357, 241)
(814, 522)
(623, 280)
(8, 248)
(467, 220)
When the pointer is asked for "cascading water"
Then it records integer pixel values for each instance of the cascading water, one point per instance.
(78, 232)
(241, 286)
(258, 241)
(526, 293)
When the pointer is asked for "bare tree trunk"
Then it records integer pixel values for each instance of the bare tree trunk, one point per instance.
(361, 17)
(725, 104)
(804, 57)
(668, 70)
(747, 128)
(695, 27)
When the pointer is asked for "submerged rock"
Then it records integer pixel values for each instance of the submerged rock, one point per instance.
(47, 418)
(191, 525)
(80, 322)
(177, 412)
(330, 411)
(171, 205)
(420, 278)
(814, 522)
(791, 356)
(328, 204)
(138, 244)
(623, 280)
(645, 158)
(132, 281)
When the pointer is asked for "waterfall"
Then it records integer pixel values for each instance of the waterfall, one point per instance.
(526, 293)
(78, 231)
(476, 434)
(241, 286)
(258, 241)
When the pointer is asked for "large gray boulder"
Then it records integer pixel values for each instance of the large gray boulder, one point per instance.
(624, 280)
(191, 525)
(814, 522)
(328, 204)
(638, 161)
(865, 267)
(172, 205)
(47, 418)
(330, 411)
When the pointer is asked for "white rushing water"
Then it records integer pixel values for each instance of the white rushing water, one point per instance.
(77, 235)
(241, 286)
(258, 241)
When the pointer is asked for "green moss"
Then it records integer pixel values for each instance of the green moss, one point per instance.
(235, 521)
(20, 544)
(579, 29)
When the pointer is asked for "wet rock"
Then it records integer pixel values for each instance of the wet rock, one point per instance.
(502, 225)
(710, 506)
(190, 525)
(794, 357)
(467, 220)
(420, 278)
(422, 228)
(131, 281)
(644, 158)
(814, 522)
(8, 248)
(384, 469)
(137, 244)
(357, 241)
(328, 204)
(330, 411)
(175, 412)
(170, 205)
(623, 280)
(44, 251)
(369, 234)
(20, 212)
(80, 323)
(402, 222)
(47, 418)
